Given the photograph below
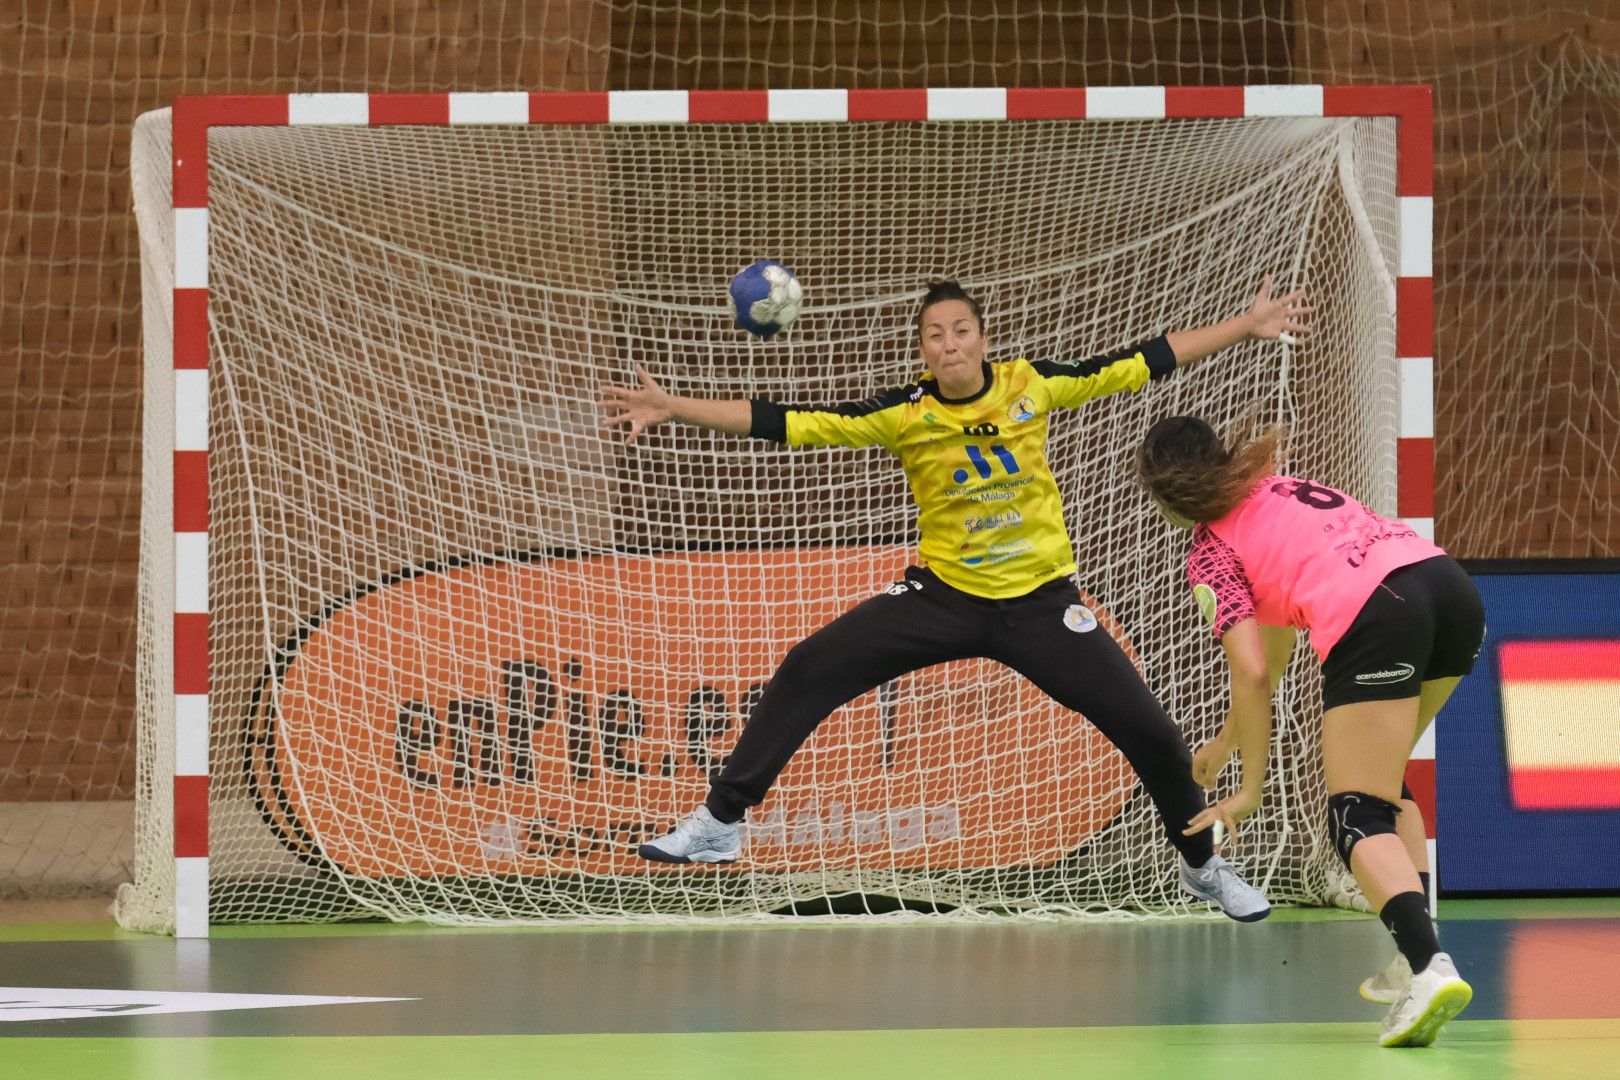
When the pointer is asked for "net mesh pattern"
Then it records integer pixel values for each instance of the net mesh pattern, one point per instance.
(468, 648)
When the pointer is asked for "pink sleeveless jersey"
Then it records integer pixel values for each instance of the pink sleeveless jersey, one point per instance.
(1295, 553)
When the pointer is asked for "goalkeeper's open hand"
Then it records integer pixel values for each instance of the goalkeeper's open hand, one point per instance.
(638, 407)
(1274, 317)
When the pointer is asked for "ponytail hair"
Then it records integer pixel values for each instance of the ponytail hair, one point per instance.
(1188, 471)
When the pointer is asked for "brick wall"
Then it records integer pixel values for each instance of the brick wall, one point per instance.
(77, 75)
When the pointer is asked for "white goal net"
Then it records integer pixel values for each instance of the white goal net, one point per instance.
(468, 648)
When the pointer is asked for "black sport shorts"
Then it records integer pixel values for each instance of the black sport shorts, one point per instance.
(1424, 621)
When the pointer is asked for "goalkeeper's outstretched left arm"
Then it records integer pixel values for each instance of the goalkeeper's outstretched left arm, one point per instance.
(1267, 317)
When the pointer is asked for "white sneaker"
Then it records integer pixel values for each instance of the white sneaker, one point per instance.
(1386, 987)
(1217, 881)
(698, 838)
(1432, 998)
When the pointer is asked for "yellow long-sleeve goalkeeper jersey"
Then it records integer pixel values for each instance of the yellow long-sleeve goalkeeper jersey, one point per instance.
(989, 513)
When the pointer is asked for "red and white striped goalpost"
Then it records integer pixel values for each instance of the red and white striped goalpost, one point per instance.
(193, 117)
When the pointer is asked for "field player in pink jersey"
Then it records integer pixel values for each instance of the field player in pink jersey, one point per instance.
(1396, 623)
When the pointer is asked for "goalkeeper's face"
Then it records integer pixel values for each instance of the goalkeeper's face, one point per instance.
(953, 347)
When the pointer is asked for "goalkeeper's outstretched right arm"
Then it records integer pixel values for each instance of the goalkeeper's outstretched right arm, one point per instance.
(648, 405)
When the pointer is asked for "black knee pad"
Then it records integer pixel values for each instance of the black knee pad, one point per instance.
(1406, 792)
(1354, 815)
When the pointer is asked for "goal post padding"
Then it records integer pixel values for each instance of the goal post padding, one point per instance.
(421, 640)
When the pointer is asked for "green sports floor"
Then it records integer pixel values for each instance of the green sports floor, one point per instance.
(1194, 998)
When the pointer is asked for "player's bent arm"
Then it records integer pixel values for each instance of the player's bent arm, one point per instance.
(1279, 643)
(1249, 721)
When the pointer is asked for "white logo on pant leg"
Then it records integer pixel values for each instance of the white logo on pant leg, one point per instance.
(1079, 619)
(1398, 673)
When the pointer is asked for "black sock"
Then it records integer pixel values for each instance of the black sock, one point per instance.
(1407, 917)
(1428, 898)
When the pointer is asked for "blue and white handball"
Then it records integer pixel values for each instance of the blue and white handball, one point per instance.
(764, 297)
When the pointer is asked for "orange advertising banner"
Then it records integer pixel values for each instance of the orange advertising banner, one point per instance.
(545, 716)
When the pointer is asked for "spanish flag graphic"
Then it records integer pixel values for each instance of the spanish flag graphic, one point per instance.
(1561, 712)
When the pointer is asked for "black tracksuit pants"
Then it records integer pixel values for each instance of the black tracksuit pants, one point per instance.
(921, 621)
